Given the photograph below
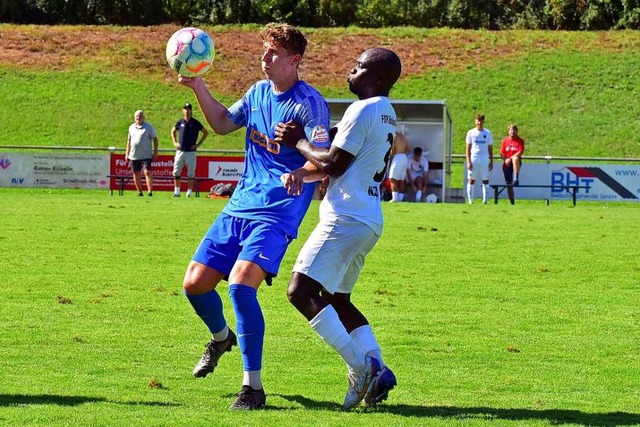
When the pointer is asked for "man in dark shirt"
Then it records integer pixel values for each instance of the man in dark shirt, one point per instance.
(187, 128)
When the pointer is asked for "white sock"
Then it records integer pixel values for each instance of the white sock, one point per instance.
(176, 190)
(470, 192)
(394, 196)
(188, 192)
(400, 197)
(418, 196)
(484, 192)
(253, 379)
(327, 324)
(222, 335)
(364, 338)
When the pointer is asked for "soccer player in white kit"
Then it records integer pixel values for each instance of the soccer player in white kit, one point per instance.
(350, 223)
(398, 167)
(417, 170)
(479, 152)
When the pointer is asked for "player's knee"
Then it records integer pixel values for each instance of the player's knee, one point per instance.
(192, 283)
(300, 294)
(337, 299)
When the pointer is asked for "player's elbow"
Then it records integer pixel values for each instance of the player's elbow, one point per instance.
(333, 170)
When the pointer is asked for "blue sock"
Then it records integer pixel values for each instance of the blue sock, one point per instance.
(208, 307)
(250, 325)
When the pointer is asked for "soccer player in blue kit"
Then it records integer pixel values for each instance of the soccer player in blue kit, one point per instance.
(248, 240)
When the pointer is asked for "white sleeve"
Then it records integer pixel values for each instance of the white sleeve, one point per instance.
(352, 129)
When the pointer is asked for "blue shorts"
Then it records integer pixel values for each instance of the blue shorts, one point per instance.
(230, 239)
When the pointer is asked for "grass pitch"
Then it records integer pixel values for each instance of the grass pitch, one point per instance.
(490, 315)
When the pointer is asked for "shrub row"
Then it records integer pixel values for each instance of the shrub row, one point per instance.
(468, 14)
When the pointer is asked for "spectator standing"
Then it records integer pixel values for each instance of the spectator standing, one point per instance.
(398, 167)
(511, 152)
(479, 154)
(142, 150)
(417, 173)
(186, 131)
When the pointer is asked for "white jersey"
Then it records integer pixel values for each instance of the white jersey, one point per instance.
(366, 130)
(480, 140)
(418, 167)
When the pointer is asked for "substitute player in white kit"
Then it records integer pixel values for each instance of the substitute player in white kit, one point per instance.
(350, 223)
(479, 151)
(398, 167)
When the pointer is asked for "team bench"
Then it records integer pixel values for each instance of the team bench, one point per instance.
(499, 188)
(122, 180)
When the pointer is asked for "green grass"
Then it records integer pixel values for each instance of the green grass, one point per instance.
(572, 94)
(490, 315)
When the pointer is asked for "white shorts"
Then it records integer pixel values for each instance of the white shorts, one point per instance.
(480, 171)
(416, 174)
(183, 158)
(334, 254)
(398, 167)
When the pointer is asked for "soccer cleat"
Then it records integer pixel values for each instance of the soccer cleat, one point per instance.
(249, 399)
(213, 353)
(176, 195)
(359, 385)
(140, 194)
(380, 387)
(516, 183)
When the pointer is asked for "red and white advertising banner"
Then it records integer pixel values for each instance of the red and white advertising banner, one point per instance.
(604, 183)
(54, 170)
(218, 169)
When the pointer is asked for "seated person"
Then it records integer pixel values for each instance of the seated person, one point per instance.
(417, 170)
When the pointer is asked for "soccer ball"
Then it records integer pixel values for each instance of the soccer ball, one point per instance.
(432, 198)
(190, 52)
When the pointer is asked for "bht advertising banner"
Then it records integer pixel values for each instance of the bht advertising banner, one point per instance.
(611, 183)
(218, 169)
(49, 170)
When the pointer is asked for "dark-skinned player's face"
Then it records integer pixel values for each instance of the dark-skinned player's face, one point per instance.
(361, 75)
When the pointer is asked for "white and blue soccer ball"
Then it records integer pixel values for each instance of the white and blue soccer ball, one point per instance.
(190, 52)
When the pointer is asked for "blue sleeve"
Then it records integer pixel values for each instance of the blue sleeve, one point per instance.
(314, 115)
(237, 112)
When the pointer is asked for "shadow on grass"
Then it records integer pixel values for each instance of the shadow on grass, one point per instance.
(54, 399)
(552, 416)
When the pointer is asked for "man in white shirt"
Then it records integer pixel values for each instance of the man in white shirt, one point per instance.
(417, 170)
(141, 151)
(350, 223)
(479, 153)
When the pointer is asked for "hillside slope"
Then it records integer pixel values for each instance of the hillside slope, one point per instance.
(571, 93)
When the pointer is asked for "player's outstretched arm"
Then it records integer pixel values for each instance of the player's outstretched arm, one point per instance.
(214, 111)
(332, 162)
(294, 181)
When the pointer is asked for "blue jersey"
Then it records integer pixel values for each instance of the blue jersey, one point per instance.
(260, 194)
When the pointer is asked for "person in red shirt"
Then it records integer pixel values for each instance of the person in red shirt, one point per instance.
(511, 153)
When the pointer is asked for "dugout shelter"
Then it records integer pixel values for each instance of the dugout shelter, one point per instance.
(426, 124)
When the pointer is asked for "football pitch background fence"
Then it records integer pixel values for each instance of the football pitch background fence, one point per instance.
(605, 179)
